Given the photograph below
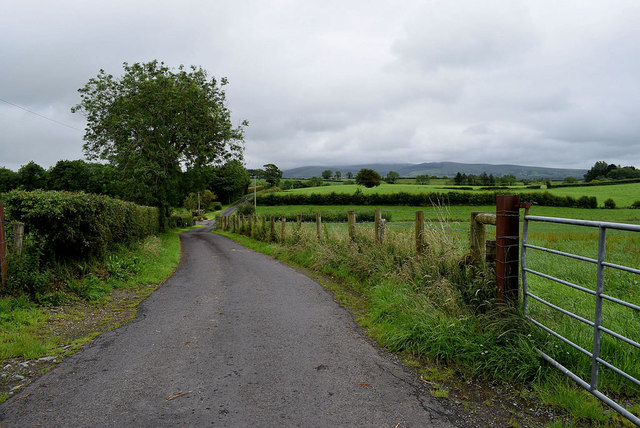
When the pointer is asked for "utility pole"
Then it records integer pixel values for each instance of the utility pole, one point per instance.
(198, 204)
(255, 198)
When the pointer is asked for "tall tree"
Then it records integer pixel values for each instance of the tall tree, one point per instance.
(272, 174)
(32, 176)
(8, 180)
(598, 170)
(368, 178)
(152, 121)
(69, 175)
(230, 181)
(327, 174)
(392, 177)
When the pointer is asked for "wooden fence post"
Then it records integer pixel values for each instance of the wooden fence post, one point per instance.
(420, 232)
(249, 224)
(3, 249)
(507, 245)
(477, 239)
(273, 228)
(490, 251)
(299, 220)
(376, 221)
(319, 225)
(18, 234)
(284, 224)
(351, 218)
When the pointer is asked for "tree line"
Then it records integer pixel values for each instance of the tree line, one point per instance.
(228, 181)
(601, 170)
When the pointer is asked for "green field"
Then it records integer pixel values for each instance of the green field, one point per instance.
(459, 212)
(622, 248)
(623, 194)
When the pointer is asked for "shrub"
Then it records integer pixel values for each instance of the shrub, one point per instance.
(217, 206)
(180, 220)
(246, 209)
(635, 204)
(69, 226)
(368, 178)
(610, 203)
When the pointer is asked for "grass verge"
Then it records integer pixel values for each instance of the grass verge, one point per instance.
(434, 311)
(34, 337)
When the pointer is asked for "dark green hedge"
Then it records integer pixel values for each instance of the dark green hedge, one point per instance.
(180, 220)
(361, 217)
(77, 225)
(598, 183)
(421, 199)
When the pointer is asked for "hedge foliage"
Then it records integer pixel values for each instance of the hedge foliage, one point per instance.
(598, 183)
(421, 199)
(361, 217)
(180, 220)
(69, 226)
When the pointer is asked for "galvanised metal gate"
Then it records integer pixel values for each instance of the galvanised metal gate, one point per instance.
(599, 296)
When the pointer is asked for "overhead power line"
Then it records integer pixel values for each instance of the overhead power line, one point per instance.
(39, 115)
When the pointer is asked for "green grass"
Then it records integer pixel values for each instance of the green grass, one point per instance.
(427, 308)
(20, 323)
(384, 188)
(623, 194)
(149, 262)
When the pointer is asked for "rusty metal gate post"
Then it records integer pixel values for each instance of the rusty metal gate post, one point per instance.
(507, 243)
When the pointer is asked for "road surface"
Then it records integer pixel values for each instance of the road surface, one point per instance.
(233, 338)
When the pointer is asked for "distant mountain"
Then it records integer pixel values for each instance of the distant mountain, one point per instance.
(441, 169)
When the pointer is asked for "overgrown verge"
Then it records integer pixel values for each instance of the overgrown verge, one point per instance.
(69, 234)
(34, 336)
(433, 308)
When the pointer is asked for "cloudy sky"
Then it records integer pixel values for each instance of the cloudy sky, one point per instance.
(545, 83)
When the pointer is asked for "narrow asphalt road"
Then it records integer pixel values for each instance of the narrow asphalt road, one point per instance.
(233, 338)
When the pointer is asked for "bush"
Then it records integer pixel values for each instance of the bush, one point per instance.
(72, 226)
(217, 206)
(635, 204)
(368, 178)
(246, 209)
(610, 203)
(180, 220)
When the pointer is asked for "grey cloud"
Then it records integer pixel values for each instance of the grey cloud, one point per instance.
(517, 81)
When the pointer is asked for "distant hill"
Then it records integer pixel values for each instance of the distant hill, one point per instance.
(441, 169)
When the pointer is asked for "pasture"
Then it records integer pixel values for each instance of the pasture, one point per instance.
(622, 248)
(623, 194)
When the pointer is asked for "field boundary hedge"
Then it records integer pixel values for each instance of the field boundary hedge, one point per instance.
(361, 217)
(596, 183)
(421, 199)
(71, 226)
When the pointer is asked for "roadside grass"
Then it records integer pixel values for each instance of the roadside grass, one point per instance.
(433, 308)
(145, 264)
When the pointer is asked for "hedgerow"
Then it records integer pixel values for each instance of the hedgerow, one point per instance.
(421, 199)
(362, 216)
(72, 226)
